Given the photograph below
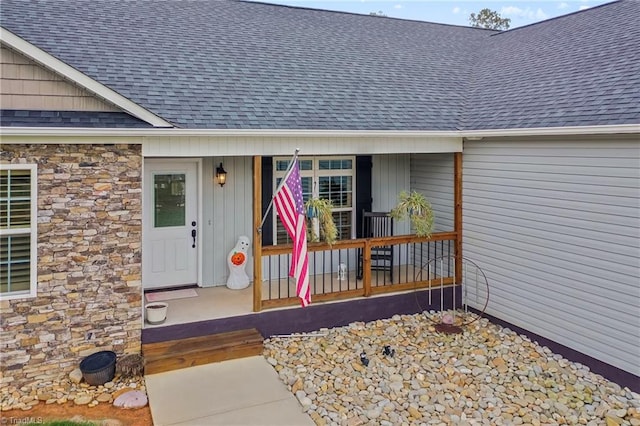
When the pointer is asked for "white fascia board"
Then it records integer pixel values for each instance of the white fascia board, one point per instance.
(177, 132)
(79, 78)
(552, 131)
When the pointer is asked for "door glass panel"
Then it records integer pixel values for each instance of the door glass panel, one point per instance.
(169, 199)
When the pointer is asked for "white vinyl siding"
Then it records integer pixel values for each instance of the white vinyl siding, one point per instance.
(555, 224)
(18, 231)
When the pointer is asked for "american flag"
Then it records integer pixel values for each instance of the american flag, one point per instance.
(290, 207)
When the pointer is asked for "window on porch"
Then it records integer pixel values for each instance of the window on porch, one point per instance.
(328, 178)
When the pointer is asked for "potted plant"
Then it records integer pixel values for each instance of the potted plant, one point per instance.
(417, 207)
(320, 213)
(156, 312)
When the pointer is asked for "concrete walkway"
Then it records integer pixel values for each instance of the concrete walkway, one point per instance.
(244, 391)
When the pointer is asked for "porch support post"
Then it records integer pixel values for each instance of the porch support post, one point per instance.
(457, 200)
(366, 268)
(257, 234)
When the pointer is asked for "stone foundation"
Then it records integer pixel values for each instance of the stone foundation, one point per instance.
(89, 294)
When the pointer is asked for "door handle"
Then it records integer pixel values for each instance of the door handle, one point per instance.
(193, 235)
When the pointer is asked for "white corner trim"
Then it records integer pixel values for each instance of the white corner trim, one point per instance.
(81, 79)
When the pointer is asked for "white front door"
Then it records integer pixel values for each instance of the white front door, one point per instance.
(170, 223)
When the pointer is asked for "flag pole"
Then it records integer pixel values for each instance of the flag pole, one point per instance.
(270, 206)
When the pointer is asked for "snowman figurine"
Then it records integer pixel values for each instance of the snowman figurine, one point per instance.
(237, 260)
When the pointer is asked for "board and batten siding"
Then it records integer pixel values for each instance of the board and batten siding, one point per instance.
(389, 176)
(25, 84)
(432, 175)
(555, 225)
(227, 215)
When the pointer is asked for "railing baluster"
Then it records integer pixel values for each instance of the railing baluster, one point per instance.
(449, 257)
(348, 270)
(332, 284)
(406, 269)
(279, 277)
(441, 286)
(453, 306)
(430, 286)
(288, 280)
(315, 280)
(324, 277)
(268, 277)
(464, 284)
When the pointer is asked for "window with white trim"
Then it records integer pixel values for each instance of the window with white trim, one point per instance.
(330, 178)
(18, 230)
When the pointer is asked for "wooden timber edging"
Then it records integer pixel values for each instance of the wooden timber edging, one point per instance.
(188, 352)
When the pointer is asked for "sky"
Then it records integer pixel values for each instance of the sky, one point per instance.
(521, 12)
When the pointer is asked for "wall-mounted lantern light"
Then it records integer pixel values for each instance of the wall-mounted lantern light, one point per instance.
(221, 175)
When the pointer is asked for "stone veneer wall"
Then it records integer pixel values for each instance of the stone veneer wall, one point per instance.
(89, 264)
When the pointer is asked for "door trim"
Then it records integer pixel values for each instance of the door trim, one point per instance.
(199, 208)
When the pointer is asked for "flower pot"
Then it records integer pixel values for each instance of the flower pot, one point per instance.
(156, 312)
(99, 368)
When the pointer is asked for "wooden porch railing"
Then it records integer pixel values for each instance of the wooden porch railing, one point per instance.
(326, 284)
(334, 273)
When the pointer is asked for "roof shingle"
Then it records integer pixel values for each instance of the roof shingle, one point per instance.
(245, 65)
(91, 119)
(575, 70)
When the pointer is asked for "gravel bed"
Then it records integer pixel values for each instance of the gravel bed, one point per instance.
(488, 375)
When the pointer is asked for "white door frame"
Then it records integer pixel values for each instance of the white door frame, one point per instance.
(199, 207)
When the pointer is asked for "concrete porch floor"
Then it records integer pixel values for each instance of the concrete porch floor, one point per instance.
(211, 303)
(222, 302)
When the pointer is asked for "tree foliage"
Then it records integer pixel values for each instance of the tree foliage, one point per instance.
(491, 19)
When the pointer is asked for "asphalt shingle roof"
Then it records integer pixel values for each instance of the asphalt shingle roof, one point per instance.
(94, 119)
(579, 69)
(244, 65)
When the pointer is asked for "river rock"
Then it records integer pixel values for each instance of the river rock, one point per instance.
(131, 399)
(486, 375)
(83, 399)
(75, 376)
